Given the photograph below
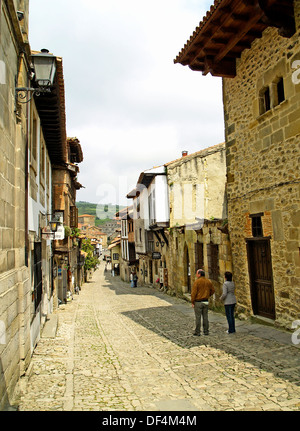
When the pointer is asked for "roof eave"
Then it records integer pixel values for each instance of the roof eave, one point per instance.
(228, 29)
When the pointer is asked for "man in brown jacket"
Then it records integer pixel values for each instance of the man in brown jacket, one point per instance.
(201, 291)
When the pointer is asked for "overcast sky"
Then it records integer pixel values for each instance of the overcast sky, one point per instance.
(129, 105)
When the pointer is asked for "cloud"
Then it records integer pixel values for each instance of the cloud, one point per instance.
(126, 101)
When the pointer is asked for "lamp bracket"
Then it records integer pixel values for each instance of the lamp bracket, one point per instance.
(22, 95)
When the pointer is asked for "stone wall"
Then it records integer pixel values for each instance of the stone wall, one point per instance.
(183, 241)
(198, 208)
(197, 186)
(262, 152)
(14, 276)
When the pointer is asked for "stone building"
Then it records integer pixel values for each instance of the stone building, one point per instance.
(127, 259)
(151, 217)
(86, 220)
(198, 216)
(258, 59)
(115, 252)
(15, 287)
(39, 232)
(96, 233)
(67, 257)
(33, 143)
(110, 229)
(180, 222)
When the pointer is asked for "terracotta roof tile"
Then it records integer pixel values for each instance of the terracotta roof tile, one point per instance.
(202, 23)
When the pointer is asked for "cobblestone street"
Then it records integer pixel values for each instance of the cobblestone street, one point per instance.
(119, 348)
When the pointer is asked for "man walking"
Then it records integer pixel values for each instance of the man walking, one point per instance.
(201, 291)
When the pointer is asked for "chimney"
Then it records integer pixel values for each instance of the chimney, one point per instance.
(184, 153)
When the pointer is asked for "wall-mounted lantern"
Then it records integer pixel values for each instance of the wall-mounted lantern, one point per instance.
(44, 72)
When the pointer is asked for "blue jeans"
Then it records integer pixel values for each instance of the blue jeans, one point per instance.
(229, 310)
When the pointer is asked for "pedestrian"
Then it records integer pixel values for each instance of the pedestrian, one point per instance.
(201, 291)
(135, 279)
(131, 279)
(229, 299)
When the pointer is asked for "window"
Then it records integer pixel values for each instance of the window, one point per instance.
(151, 203)
(138, 207)
(199, 261)
(280, 91)
(37, 274)
(213, 261)
(73, 217)
(42, 161)
(264, 100)
(257, 230)
(150, 241)
(267, 100)
(271, 96)
(34, 139)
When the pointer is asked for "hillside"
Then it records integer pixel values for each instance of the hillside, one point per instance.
(103, 212)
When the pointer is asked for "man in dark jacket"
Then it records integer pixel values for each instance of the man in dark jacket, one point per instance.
(201, 291)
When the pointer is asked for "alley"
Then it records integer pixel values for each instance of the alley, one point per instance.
(119, 348)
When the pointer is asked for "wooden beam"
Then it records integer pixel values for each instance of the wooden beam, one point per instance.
(239, 35)
(225, 69)
(220, 20)
(279, 15)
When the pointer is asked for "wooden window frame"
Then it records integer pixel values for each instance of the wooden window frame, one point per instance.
(257, 228)
(213, 261)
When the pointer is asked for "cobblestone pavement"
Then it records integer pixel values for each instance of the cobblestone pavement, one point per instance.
(119, 348)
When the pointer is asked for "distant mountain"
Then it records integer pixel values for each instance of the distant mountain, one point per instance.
(103, 212)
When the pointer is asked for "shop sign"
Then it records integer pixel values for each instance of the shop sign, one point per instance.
(156, 255)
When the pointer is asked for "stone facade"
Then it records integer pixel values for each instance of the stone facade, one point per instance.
(197, 186)
(198, 216)
(262, 110)
(86, 220)
(67, 258)
(109, 228)
(15, 293)
(39, 210)
(28, 153)
(115, 254)
(196, 236)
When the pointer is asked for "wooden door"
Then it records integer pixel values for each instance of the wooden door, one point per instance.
(166, 283)
(188, 270)
(151, 271)
(261, 278)
(199, 260)
(38, 276)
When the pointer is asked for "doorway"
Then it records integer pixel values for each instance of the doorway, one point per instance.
(261, 277)
(151, 271)
(187, 270)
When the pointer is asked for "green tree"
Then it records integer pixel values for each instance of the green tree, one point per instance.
(90, 261)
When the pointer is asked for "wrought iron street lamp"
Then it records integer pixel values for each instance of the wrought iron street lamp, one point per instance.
(44, 74)
(54, 225)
